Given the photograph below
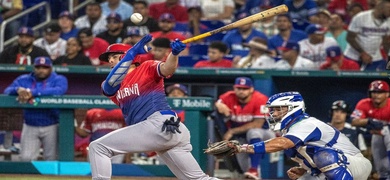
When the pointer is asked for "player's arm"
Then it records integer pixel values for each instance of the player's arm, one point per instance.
(351, 39)
(359, 122)
(169, 66)
(222, 108)
(119, 72)
(270, 146)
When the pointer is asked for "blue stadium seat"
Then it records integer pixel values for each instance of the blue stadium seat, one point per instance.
(209, 26)
(181, 27)
(188, 61)
(198, 48)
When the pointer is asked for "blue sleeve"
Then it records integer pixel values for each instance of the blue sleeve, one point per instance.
(116, 76)
(13, 87)
(59, 88)
(311, 6)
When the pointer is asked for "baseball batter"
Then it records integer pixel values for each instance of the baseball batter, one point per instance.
(137, 87)
(374, 113)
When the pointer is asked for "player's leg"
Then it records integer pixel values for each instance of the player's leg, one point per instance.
(49, 141)
(332, 164)
(180, 160)
(379, 155)
(30, 143)
(359, 166)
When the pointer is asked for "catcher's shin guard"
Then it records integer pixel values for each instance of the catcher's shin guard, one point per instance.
(332, 164)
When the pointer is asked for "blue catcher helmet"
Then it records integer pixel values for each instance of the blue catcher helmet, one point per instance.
(295, 107)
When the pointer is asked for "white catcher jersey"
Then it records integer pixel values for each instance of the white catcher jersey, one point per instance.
(369, 34)
(316, 52)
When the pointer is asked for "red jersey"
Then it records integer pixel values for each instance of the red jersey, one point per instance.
(98, 47)
(242, 114)
(365, 109)
(99, 122)
(178, 11)
(208, 64)
(347, 65)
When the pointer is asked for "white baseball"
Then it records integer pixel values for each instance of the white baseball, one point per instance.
(136, 18)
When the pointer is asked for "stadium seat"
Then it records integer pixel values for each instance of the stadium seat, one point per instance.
(211, 25)
(188, 61)
(198, 48)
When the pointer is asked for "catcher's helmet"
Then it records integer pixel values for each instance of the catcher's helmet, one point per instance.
(118, 48)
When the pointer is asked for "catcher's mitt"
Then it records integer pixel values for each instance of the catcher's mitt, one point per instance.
(221, 149)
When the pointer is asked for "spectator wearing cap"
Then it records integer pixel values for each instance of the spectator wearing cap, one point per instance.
(291, 60)
(9, 9)
(258, 57)
(218, 10)
(177, 91)
(194, 21)
(243, 34)
(133, 36)
(167, 22)
(115, 32)
(314, 46)
(335, 61)
(337, 31)
(92, 46)
(324, 18)
(215, 53)
(51, 41)
(239, 116)
(286, 33)
(24, 52)
(147, 25)
(93, 19)
(173, 7)
(66, 22)
(74, 54)
(302, 12)
(40, 125)
(124, 9)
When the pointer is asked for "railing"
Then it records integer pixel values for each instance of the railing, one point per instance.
(25, 12)
(79, 6)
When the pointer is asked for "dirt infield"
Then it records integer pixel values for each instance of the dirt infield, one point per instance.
(47, 177)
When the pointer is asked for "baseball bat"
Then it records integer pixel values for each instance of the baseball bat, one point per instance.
(250, 19)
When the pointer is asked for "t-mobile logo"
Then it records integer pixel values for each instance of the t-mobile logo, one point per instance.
(177, 102)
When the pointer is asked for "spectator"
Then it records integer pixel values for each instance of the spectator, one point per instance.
(366, 32)
(314, 46)
(133, 36)
(161, 47)
(324, 17)
(374, 114)
(341, 6)
(337, 31)
(216, 52)
(74, 54)
(8, 9)
(352, 10)
(178, 91)
(115, 32)
(335, 60)
(340, 118)
(286, 33)
(40, 125)
(51, 41)
(240, 116)
(99, 122)
(243, 34)
(302, 12)
(120, 7)
(221, 10)
(267, 26)
(194, 21)
(93, 19)
(147, 25)
(291, 60)
(25, 51)
(190, 3)
(66, 22)
(169, 6)
(258, 56)
(166, 23)
(92, 46)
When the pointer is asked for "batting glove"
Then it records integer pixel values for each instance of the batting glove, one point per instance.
(374, 124)
(139, 48)
(171, 125)
(177, 46)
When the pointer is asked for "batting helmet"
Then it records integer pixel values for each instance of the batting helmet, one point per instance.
(118, 48)
(340, 105)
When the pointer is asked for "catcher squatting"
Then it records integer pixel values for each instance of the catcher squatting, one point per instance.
(321, 151)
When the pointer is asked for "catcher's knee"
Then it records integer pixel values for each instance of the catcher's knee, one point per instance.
(332, 164)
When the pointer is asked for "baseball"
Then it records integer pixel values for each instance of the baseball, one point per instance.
(136, 18)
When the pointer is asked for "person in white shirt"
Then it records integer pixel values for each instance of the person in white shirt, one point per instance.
(367, 31)
(258, 57)
(291, 60)
(52, 42)
(314, 47)
(220, 10)
(93, 19)
(124, 9)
